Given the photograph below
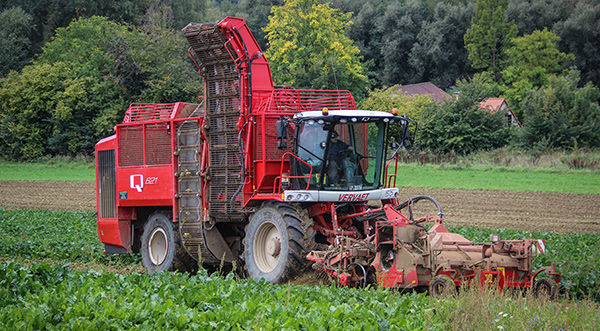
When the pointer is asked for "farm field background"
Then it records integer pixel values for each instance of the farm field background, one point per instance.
(564, 201)
(51, 259)
(581, 181)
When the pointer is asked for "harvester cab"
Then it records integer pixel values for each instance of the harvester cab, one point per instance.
(340, 155)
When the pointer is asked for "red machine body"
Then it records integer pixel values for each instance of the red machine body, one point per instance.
(144, 164)
(405, 255)
(219, 181)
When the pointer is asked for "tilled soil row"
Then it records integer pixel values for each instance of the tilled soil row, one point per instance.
(529, 211)
(50, 195)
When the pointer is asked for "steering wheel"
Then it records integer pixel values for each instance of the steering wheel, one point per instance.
(345, 153)
(360, 156)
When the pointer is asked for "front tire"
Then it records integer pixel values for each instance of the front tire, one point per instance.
(161, 248)
(545, 289)
(277, 240)
(442, 286)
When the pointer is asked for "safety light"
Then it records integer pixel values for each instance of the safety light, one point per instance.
(395, 111)
(325, 111)
(494, 238)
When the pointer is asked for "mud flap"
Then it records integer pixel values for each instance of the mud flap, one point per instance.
(216, 244)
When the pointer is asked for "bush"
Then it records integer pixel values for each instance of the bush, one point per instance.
(78, 88)
(562, 115)
(459, 125)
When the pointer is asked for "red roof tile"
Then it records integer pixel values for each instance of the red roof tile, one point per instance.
(493, 104)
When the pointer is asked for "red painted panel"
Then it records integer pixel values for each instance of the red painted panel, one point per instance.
(111, 231)
(145, 186)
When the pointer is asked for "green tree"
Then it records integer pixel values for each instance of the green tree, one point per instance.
(366, 33)
(438, 54)
(80, 85)
(15, 46)
(562, 115)
(308, 48)
(169, 73)
(531, 15)
(66, 99)
(531, 61)
(51, 108)
(48, 15)
(399, 28)
(459, 125)
(489, 35)
(256, 14)
(580, 35)
(478, 87)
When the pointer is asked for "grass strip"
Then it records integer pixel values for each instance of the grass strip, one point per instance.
(409, 175)
(59, 171)
(499, 178)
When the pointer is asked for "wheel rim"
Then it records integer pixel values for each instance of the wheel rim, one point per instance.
(158, 246)
(267, 247)
(439, 288)
(544, 291)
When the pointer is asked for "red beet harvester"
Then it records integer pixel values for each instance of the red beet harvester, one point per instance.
(277, 178)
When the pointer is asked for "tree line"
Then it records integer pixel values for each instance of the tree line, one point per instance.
(69, 68)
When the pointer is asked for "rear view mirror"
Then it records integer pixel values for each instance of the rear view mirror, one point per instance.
(405, 131)
(282, 126)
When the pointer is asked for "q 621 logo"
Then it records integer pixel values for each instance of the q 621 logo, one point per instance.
(137, 182)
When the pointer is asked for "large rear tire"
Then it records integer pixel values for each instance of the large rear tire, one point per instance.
(161, 247)
(277, 240)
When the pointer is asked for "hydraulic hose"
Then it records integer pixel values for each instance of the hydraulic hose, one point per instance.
(240, 140)
(418, 198)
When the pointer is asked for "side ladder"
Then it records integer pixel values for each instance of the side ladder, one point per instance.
(201, 243)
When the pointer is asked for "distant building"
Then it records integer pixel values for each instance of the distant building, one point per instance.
(495, 105)
(426, 88)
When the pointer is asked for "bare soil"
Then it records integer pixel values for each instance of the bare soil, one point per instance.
(528, 211)
(50, 195)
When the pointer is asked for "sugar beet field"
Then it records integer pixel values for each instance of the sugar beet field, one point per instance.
(53, 273)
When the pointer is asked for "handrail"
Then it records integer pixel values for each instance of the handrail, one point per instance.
(194, 59)
(280, 177)
(388, 177)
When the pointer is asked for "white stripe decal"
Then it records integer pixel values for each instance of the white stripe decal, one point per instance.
(541, 244)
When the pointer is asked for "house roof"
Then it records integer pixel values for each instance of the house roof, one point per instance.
(426, 88)
(494, 105)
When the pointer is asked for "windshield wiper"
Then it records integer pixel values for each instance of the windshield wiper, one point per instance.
(309, 152)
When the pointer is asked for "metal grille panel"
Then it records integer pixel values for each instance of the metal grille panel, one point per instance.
(293, 100)
(107, 184)
(189, 109)
(158, 144)
(140, 112)
(131, 146)
(223, 102)
(270, 131)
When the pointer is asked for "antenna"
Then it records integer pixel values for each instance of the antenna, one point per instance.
(334, 77)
